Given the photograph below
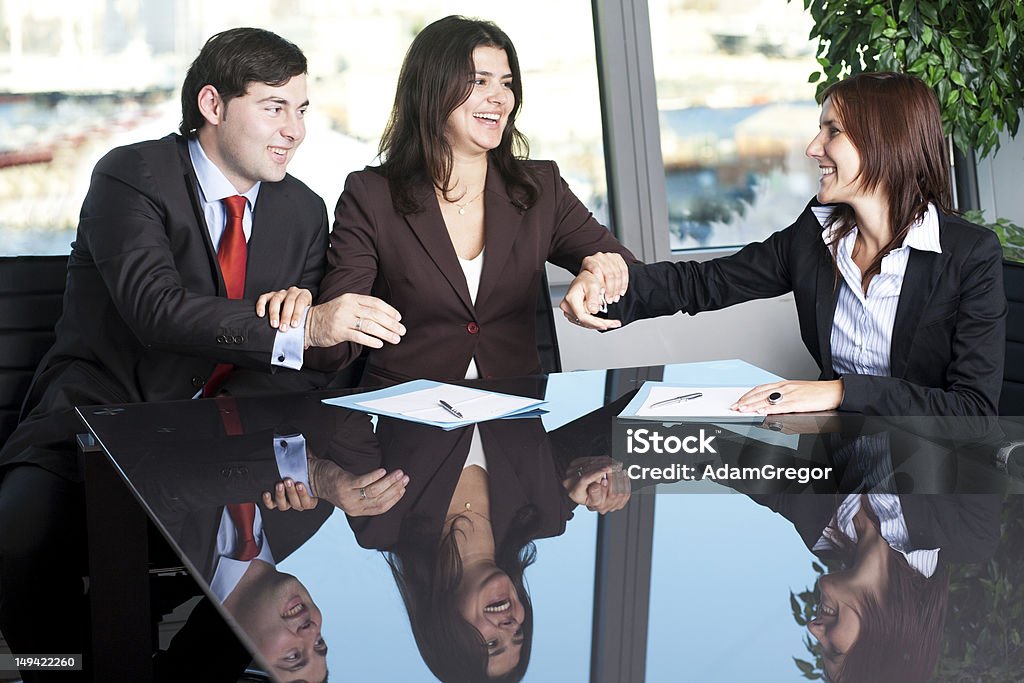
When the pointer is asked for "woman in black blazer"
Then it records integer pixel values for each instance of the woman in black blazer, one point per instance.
(900, 302)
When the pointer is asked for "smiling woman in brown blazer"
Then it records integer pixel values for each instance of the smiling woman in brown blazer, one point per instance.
(451, 192)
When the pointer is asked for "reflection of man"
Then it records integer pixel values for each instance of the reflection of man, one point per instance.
(177, 238)
(202, 490)
(280, 618)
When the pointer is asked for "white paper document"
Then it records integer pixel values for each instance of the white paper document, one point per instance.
(472, 404)
(710, 402)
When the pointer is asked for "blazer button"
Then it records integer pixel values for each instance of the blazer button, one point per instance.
(239, 339)
(198, 382)
(472, 328)
(220, 339)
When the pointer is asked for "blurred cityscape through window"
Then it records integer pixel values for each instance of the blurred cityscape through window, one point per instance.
(79, 77)
(736, 113)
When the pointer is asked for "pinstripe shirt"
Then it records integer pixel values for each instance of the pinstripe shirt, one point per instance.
(892, 526)
(862, 327)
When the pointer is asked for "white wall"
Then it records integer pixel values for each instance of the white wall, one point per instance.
(999, 180)
(764, 333)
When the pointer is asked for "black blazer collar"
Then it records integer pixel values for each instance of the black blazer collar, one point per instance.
(924, 268)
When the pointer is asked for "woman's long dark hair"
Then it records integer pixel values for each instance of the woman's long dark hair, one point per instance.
(437, 76)
(894, 122)
(900, 635)
(427, 577)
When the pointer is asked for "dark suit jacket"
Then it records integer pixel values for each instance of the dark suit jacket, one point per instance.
(949, 334)
(186, 490)
(965, 527)
(146, 316)
(409, 261)
(522, 473)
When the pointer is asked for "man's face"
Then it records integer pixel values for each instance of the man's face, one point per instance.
(253, 137)
(283, 623)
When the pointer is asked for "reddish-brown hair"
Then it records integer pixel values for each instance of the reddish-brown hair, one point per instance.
(894, 122)
(900, 636)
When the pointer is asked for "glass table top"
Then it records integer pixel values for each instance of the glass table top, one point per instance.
(728, 576)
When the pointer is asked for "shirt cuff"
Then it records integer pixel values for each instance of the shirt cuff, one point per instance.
(290, 454)
(288, 346)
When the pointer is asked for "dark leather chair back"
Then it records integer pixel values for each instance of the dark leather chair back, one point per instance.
(31, 301)
(1011, 401)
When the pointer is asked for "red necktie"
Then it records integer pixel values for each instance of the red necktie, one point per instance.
(243, 515)
(231, 255)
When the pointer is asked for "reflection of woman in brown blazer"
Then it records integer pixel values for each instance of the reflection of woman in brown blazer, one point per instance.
(450, 194)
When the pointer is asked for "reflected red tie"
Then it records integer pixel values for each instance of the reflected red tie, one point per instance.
(231, 255)
(243, 515)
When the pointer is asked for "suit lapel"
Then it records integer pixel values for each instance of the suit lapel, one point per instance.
(268, 243)
(192, 185)
(919, 281)
(501, 226)
(825, 301)
(430, 230)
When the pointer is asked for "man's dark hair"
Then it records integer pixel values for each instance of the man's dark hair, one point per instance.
(230, 61)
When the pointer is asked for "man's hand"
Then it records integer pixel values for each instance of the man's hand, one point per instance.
(285, 307)
(357, 318)
(289, 495)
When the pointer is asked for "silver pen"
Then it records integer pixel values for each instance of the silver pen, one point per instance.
(450, 408)
(677, 399)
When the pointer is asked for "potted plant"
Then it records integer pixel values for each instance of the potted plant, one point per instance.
(970, 53)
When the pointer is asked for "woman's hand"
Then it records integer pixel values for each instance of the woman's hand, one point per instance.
(285, 306)
(583, 301)
(598, 483)
(358, 318)
(611, 269)
(792, 397)
(357, 495)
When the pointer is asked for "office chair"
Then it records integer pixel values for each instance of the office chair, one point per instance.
(31, 300)
(1011, 401)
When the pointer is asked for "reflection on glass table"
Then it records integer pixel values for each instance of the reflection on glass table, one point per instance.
(882, 556)
(456, 542)
(380, 589)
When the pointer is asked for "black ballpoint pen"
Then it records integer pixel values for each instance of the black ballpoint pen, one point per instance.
(450, 408)
(677, 399)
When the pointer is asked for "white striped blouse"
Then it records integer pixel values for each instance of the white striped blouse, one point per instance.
(862, 327)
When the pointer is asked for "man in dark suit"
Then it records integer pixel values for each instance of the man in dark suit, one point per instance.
(177, 238)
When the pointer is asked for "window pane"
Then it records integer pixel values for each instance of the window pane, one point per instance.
(78, 77)
(736, 113)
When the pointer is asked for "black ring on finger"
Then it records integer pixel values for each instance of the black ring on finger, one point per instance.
(775, 398)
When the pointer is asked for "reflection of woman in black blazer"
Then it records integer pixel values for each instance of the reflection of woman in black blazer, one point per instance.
(900, 303)
(881, 616)
(453, 229)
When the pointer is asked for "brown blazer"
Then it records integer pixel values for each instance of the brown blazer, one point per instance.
(409, 261)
